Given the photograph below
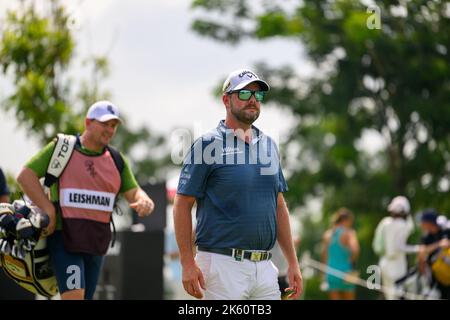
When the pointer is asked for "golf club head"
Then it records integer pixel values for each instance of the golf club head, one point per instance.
(24, 229)
(39, 220)
(18, 251)
(5, 247)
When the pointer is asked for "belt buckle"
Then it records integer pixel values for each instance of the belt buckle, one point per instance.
(256, 256)
(238, 254)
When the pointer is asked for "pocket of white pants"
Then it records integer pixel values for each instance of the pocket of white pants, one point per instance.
(277, 271)
(204, 261)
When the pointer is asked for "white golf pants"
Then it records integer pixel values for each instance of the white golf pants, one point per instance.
(228, 279)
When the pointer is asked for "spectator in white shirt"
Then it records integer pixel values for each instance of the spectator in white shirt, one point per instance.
(390, 243)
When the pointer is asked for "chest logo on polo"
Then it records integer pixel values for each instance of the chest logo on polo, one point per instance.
(231, 150)
(87, 199)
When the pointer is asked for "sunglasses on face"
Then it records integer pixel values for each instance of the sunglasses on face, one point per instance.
(247, 94)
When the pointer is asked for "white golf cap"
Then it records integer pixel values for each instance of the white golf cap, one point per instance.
(238, 79)
(103, 111)
(399, 204)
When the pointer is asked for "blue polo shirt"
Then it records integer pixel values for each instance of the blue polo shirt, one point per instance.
(236, 186)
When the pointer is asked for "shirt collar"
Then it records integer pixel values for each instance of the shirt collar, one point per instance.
(225, 131)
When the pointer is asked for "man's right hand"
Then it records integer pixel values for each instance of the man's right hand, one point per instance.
(193, 281)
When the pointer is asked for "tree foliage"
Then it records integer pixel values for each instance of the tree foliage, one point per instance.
(385, 76)
(392, 82)
(37, 53)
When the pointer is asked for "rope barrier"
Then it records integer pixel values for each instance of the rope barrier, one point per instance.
(354, 279)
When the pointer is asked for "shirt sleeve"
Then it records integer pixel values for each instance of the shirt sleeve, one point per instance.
(128, 179)
(402, 238)
(39, 162)
(408, 248)
(3, 185)
(282, 185)
(194, 173)
(378, 239)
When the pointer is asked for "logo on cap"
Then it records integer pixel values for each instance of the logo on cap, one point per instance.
(110, 109)
(227, 86)
(248, 74)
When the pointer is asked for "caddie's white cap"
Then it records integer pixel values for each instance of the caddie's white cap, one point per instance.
(103, 111)
(399, 204)
(238, 79)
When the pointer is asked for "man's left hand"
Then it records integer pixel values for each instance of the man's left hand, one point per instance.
(143, 207)
(295, 282)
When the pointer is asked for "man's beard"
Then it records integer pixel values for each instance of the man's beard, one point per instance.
(244, 116)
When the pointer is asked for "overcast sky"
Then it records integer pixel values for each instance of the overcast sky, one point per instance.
(162, 74)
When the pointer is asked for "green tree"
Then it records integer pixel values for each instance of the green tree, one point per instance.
(381, 70)
(392, 81)
(37, 52)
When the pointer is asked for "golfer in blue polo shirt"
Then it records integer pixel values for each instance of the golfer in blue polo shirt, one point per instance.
(233, 173)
